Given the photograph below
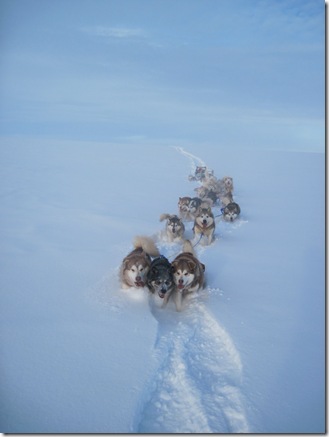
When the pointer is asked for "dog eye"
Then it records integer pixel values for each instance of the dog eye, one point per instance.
(168, 282)
(141, 269)
(158, 282)
(185, 274)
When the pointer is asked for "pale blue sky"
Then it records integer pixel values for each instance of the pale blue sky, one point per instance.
(243, 73)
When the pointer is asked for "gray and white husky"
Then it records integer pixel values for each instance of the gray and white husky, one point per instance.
(175, 228)
(204, 225)
(136, 264)
(231, 212)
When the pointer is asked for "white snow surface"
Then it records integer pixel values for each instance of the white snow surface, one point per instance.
(81, 355)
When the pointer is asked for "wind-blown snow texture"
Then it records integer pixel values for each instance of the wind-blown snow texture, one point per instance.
(81, 355)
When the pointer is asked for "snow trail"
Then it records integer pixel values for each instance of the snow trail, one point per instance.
(192, 158)
(195, 388)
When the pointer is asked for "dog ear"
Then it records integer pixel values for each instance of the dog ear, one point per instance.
(173, 267)
(191, 266)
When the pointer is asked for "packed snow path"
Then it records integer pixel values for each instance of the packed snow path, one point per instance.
(195, 388)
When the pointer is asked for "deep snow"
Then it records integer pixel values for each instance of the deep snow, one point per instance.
(78, 354)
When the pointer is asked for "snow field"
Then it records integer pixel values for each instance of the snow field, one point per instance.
(81, 355)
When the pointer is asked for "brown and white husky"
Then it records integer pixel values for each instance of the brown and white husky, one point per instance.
(137, 263)
(188, 274)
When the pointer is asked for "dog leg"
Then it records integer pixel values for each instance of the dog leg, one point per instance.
(178, 300)
(165, 300)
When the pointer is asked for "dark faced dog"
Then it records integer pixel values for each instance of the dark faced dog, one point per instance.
(231, 212)
(160, 278)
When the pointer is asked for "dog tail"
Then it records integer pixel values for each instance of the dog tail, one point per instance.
(188, 247)
(147, 244)
(164, 217)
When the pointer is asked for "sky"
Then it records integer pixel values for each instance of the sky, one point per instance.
(243, 73)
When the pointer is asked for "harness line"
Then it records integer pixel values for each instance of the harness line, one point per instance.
(201, 235)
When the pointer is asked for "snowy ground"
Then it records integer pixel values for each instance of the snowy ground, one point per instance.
(79, 355)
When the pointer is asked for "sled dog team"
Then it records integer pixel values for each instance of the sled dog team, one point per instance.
(144, 266)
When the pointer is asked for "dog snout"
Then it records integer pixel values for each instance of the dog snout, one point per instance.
(204, 221)
(138, 278)
(180, 281)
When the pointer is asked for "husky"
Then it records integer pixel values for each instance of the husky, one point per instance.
(184, 208)
(210, 196)
(136, 264)
(231, 212)
(188, 274)
(160, 280)
(225, 186)
(174, 227)
(210, 181)
(225, 200)
(204, 224)
(198, 174)
(194, 205)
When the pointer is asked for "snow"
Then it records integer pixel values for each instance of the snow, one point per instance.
(81, 355)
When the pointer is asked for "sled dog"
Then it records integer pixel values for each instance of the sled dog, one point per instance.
(231, 212)
(136, 264)
(188, 274)
(208, 195)
(194, 205)
(199, 174)
(183, 207)
(160, 279)
(225, 200)
(175, 228)
(204, 224)
(225, 186)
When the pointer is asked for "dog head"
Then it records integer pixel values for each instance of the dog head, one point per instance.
(160, 277)
(231, 211)
(228, 183)
(187, 270)
(205, 217)
(194, 204)
(183, 203)
(174, 224)
(200, 172)
(184, 273)
(135, 269)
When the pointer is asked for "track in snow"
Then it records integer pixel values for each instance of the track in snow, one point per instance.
(192, 158)
(195, 388)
